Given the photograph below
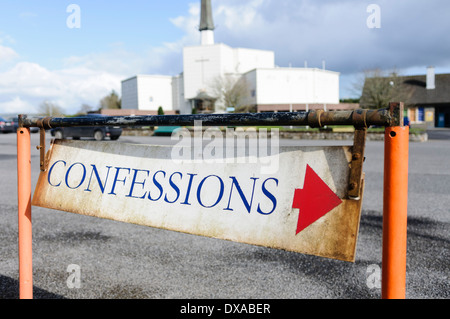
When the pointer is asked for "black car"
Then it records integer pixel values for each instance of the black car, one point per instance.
(7, 126)
(97, 132)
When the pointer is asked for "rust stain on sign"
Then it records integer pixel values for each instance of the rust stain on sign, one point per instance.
(238, 199)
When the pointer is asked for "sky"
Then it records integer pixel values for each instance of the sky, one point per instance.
(50, 51)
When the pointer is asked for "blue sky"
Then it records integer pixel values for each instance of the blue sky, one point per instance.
(40, 33)
(42, 59)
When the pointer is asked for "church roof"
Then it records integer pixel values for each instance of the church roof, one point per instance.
(441, 94)
(415, 85)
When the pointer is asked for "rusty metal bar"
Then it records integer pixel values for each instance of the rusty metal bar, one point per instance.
(42, 123)
(359, 118)
(396, 109)
(356, 165)
(41, 148)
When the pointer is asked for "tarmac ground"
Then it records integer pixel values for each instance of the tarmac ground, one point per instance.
(123, 261)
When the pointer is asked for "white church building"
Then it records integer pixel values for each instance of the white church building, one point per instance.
(268, 87)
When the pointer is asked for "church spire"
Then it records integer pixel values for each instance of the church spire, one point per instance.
(207, 23)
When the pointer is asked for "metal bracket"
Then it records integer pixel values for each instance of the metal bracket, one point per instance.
(41, 147)
(356, 165)
(314, 118)
(396, 111)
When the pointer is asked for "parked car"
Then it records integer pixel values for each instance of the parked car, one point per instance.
(166, 130)
(97, 132)
(7, 126)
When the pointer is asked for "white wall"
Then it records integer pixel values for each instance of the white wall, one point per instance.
(249, 59)
(147, 92)
(202, 64)
(294, 85)
(129, 94)
(251, 79)
(326, 86)
(177, 92)
(154, 91)
(179, 102)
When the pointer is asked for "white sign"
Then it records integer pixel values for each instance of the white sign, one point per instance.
(300, 207)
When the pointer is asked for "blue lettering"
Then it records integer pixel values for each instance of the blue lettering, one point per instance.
(220, 193)
(134, 182)
(175, 187)
(118, 169)
(241, 194)
(140, 177)
(100, 184)
(158, 185)
(189, 189)
(50, 172)
(82, 179)
(269, 195)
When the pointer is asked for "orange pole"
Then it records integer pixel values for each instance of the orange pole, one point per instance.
(25, 229)
(395, 202)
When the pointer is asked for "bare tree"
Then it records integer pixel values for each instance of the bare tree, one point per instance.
(231, 90)
(379, 88)
(85, 109)
(50, 109)
(111, 101)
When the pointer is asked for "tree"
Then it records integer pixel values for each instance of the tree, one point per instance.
(85, 109)
(232, 91)
(160, 111)
(111, 101)
(50, 109)
(349, 100)
(380, 88)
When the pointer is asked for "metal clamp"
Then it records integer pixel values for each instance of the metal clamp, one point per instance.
(45, 122)
(314, 118)
(356, 168)
(359, 118)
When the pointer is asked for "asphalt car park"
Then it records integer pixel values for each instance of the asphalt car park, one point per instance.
(120, 261)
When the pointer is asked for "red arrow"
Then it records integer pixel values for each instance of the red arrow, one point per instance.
(315, 200)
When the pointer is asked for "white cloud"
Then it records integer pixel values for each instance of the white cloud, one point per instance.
(335, 31)
(6, 38)
(27, 15)
(7, 55)
(26, 85)
(297, 30)
(189, 24)
(16, 105)
(240, 16)
(81, 80)
(165, 59)
(117, 61)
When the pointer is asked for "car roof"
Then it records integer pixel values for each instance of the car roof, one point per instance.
(92, 115)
